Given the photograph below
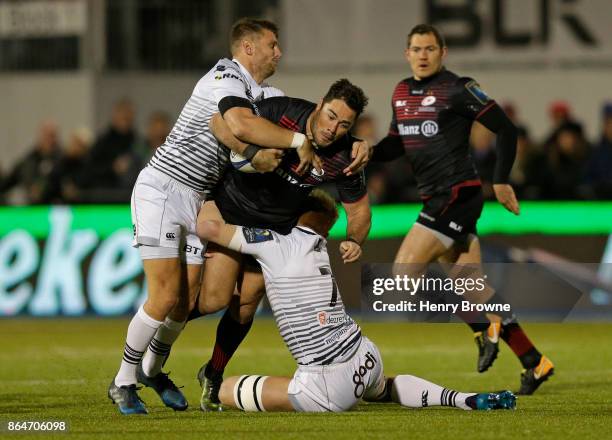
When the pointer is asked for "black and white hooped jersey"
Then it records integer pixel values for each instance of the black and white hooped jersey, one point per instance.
(303, 293)
(191, 154)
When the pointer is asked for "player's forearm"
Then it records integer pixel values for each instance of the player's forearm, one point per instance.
(221, 131)
(359, 220)
(253, 129)
(496, 120)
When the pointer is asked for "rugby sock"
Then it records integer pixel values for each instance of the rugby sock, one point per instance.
(160, 346)
(515, 337)
(477, 321)
(141, 330)
(414, 392)
(230, 334)
(520, 344)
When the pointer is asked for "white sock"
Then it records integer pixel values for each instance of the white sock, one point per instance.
(414, 392)
(160, 345)
(139, 334)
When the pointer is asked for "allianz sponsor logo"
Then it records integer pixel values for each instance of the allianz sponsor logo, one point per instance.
(426, 128)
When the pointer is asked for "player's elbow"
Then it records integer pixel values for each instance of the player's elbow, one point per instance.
(238, 121)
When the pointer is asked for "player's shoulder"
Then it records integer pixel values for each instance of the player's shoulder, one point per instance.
(226, 65)
(224, 73)
(471, 88)
(403, 84)
(287, 104)
(271, 91)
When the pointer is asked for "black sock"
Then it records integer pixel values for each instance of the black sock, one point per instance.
(230, 334)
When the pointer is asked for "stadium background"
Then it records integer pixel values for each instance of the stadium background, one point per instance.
(68, 62)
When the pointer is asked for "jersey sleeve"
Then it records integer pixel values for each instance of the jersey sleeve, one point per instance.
(393, 131)
(352, 188)
(263, 244)
(469, 100)
(273, 109)
(225, 81)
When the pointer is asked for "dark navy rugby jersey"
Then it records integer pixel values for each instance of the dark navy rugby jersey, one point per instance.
(433, 117)
(274, 200)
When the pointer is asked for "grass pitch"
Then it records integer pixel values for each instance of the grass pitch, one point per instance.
(60, 370)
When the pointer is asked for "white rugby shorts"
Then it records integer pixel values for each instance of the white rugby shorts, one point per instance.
(164, 218)
(338, 387)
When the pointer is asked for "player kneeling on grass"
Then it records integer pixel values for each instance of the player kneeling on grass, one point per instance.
(337, 366)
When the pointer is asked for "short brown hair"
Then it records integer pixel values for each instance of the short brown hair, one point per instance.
(351, 94)
(248, 26)
(322, 203)
(422, 29)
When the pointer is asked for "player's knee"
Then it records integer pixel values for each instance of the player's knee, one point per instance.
(163, 305)
(210, 303)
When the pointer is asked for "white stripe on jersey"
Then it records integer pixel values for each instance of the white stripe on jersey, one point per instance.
(191, 153)
(307, 307)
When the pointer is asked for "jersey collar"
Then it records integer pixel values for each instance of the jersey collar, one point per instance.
(256, 89)
(307, 230)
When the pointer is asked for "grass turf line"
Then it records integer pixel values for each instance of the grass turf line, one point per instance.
(60, 370)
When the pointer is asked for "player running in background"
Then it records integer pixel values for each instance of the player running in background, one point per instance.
(337, 366)
(168, 195)
(273, 201)
(432, 114)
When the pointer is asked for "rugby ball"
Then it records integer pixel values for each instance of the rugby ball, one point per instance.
(241, 163)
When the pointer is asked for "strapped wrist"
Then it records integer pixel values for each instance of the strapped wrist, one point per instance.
(298, 140)
(250, 152)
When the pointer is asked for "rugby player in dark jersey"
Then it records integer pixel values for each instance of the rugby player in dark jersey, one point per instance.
(433, 112)
(274, 201)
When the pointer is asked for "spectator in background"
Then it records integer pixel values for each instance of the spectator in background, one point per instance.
(31, 175)
(566, 163)
(599, 169)
(158, 129)
(526, 174)
(66, 179)
(560, 113)
(112, 164)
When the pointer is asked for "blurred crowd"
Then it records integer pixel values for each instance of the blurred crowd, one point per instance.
(85, 169)
(102, 169)
(565, 165)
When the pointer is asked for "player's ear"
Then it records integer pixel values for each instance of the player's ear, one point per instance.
(319, 105)
(444, 52)
(247, 46)
(407, 54)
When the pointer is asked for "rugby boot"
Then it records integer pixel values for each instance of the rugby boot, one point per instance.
(126, 398)
(490, 401)
(209, 401)
(532, 378)
(165, 389)
(488, 346)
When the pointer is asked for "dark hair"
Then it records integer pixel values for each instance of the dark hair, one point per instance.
(423, 28)
(247, 26)
(349, 93)
(321, 202)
